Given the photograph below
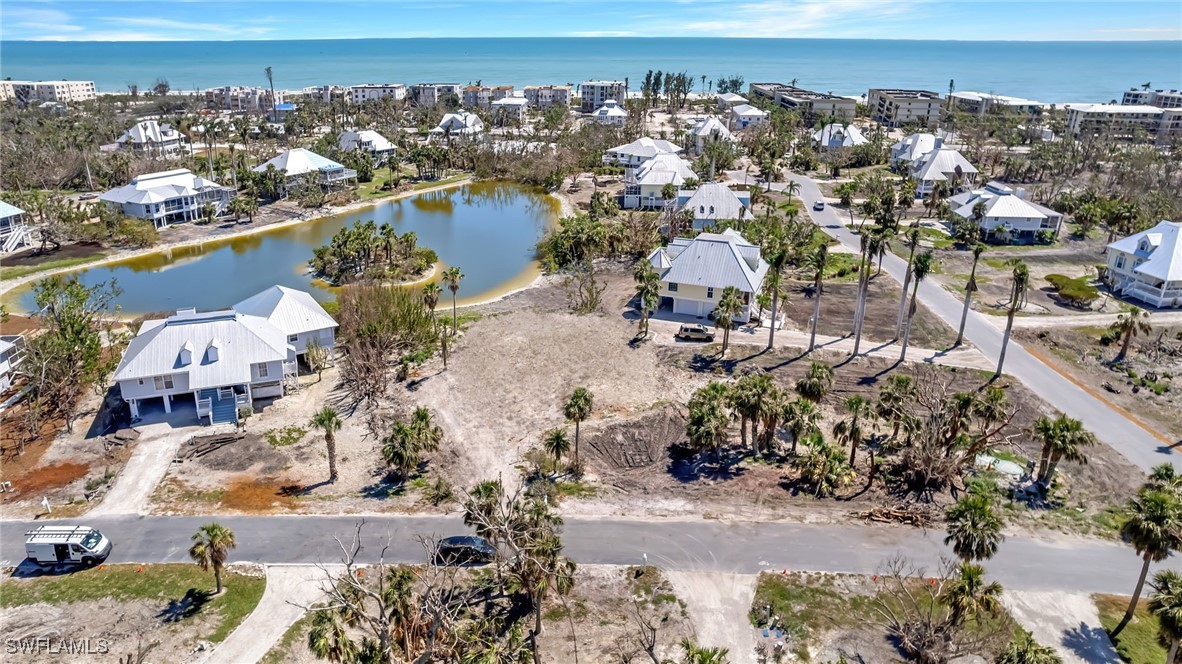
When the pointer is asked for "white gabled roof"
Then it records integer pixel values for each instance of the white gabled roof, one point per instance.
(292, 311)
(714, 200)
(1163, 253)
(732, 98)
(714, 260)
(664, 169)
(939, 164)
(645, 148)
(511, 101)
(610, 109)
(159, 187)
(748, 109)
(837, 135)
(8, 210)
(349, 140)
(149, 131)
(240, 341)
(711, 126)
(460, 122)
(299, 161)
(914, 146)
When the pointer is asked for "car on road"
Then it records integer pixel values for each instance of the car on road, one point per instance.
(77, 545)
(819, 205)
(695, 332)
(464, 550)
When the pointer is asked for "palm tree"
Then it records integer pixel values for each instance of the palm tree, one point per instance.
(1020, 278)
(211, 546)
(729, 306)
(328, 638)
(912, 242)
(431, 293)
(576, 409)
(1154, 528)
(969, 288)
(849, 431)
(1062, 438)
(969, 596)
(327, 420)
(920, 270)
(817, 382)
(271, 82)
(1130, 323)
(708, 419)
(974, 528)
(777, 257)
(648, 291)
(556, 442)
(1023, 649)
(696, 654)
(817, 263)
(1166, 604)
(452, 277)
(801, 419)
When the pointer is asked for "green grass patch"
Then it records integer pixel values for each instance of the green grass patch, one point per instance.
(807, 606)
(997, 263)
(18, 271)
(440, 182)
(574, 490)
(1138, 643)
(286, 436)
(842, 267)
(935, 237)
(165, 583)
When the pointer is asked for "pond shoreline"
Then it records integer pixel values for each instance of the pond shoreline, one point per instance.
(11, 284)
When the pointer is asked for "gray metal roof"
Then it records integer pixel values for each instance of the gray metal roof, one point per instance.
(290, 310)
(714, 200)
(715, 260)
(159, 187)
(1163, 253)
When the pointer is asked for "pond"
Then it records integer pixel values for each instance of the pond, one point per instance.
(487, 229)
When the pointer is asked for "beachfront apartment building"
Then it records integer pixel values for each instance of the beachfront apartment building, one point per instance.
(150, 138)
(217, 363)
(169, 197)
(980, 103)
(1006, 214)
(1159, 98)
(596, 94)
(1163, 125)
(892, 107)
(241, 99)
(430, 94)
(545, 96)
(812, 106)
(1148, 265)
(37, 92)
(694, 272)
(324, 93)
(482, 96)
(359, 94)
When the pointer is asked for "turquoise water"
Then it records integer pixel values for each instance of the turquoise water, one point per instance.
(1052, 72)
(489, 230)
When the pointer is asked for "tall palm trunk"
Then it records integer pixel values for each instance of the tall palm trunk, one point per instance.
(217, 579)
(1133, 602)
(1172, 656)
(968, 299)
(330, 442)
(816, 316)
(903, 300)
(1005, 340)
(454, 320)
(577, 422)
(771, 337)
(860, 307)
(910, 320)
(1124, 346)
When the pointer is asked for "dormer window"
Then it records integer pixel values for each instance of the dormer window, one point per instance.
(214, 351)
(1144, 246)
(186, 354)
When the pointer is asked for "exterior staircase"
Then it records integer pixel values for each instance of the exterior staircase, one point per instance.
(19, 237)
(223, 411)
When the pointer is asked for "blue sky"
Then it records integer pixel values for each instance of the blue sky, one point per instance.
(151, 20)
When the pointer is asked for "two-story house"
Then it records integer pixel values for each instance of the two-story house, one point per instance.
(169, 197)
(694, 272)
(1148, 265)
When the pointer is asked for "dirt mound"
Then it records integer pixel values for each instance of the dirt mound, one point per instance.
(257, 495)
(638, 442)
(250, 453)
(45, 478)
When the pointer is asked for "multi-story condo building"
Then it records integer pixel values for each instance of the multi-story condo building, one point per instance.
(1116, 119)
(811, 105)
(895, 108)
(325, 93)
(369, 91)
(62, 92)
(240, 99)
(1158, 98)
(545, 96)
(169, 197)
(429, 94)
(979, 103)
(482, 96)
(593, 94)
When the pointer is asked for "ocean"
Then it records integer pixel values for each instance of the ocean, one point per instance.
(1051, 72)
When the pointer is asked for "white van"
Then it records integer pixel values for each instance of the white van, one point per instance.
(50, 545)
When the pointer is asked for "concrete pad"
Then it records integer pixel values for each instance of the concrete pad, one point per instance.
(1068, 622)
(717, 603)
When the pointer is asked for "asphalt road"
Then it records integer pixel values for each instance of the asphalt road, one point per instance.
(1137, 444)
(744, 547)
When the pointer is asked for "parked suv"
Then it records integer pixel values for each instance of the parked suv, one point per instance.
(464, 550)
(695, 332)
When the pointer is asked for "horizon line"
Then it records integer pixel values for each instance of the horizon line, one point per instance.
(1177, 40)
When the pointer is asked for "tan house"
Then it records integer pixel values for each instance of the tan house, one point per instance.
(694, 272)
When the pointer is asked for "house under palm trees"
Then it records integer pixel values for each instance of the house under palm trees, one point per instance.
(297, 163)
(149, 137)
(942, 164)
(695, 271)
(839, 135)
(713, 202)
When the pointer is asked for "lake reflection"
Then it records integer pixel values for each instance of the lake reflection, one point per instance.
(488, 229)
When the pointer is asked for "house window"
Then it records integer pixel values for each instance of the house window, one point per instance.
(710, 293)
(163, 382)
(1120, 262)
(672, 287)
(293, 338)
(262, 369)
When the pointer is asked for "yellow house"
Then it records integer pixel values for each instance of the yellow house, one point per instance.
(695, 271)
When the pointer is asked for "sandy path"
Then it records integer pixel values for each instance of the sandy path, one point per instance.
(718, 604)
(154, 452)
(1096, 320)
(1068, 622)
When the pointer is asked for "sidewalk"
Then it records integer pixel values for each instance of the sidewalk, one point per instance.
(1068, 622)
(154, 451)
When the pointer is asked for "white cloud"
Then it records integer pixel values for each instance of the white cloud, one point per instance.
(188, 28)
(797, 18)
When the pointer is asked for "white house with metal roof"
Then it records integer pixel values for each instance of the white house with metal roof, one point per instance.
(913, 147)
(149, 137)
(365, 139)
(14, 232)
(713, 202)
(695, 271)
(729, 100)
(942, 164)
(11, 346)
(516, 108)
(639, 151)
(644, 185)
(169, 197)
(610, 114)
(838, 135)
(221, 361)
(708, 129)
(297, 163)
(746, 115)
(1006, 214)
(460, 123)
(295, 312)
(1148, 265)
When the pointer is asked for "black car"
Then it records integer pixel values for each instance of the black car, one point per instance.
(464, 550)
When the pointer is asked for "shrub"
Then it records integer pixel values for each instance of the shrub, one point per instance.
(1076, 292)
(1109, 336)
